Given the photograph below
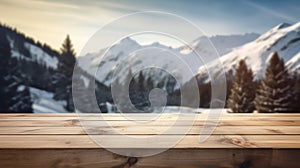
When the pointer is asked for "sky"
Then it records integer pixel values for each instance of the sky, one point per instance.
(49, 21)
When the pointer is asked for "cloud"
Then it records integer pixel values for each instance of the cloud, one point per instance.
(270, 11)
(50, 20)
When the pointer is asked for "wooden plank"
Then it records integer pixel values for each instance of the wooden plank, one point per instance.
(200, 118)
(224, 158)
(66, 123)
(188, 142)
(240, 140)
(63, 158)
(150, 130)
(147, 114)
(175, 158)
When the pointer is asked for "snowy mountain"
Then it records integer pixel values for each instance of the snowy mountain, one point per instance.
(37, 63)
(36, 53)
(131, 55)
(283, 39)
(223, 43)
(25, 48)
(294, 63)
(30, 64)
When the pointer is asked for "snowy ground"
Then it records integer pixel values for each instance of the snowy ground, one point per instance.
(43, 102)
(177, 109)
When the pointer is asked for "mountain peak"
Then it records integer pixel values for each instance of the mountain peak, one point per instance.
(282, 26)
(128, 41)
(279, 31)
(286, 27)
(283, 39)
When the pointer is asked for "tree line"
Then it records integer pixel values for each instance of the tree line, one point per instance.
(134, 90)
(18, 75)
(278, 91)
(14, 91)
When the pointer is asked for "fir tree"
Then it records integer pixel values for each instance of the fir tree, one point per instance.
(149, 84)
(63, 79)
(141, 81)
(137, 91)
(7, 84)
(141, 92)
(15, 97)
(242, 91)
(124, 94)
(275, 93)
(170, 84)
(21, 102)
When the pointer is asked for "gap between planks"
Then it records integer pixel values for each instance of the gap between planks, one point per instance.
(92, 123)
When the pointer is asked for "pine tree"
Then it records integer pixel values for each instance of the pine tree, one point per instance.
(275, 93)
(14, 96)
(141, 92)
(4, 80)
(124, 93)
(149, 84)
(21, 102)
(137, 91)
(242, 91)
(63, 79)
(170, 84)
(141, 81)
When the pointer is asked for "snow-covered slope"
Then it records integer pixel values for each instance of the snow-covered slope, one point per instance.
(114, 55)
(32, 53)
(43, 102)
(35, 66)
(41, 56)
(294, 63)
(223, 43)
(131, 55)
(283, 39)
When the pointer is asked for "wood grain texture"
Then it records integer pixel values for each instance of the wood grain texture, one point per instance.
(116, 141)
(69, 116)
(238, 141)
(118, 123)
(173, 158)
(150, 130)
(147, 114)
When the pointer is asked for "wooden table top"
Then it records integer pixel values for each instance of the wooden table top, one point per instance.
(254, 133)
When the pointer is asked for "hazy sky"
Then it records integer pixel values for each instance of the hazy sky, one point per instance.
(50, 20)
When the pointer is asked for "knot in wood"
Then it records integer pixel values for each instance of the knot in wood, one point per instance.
(130, 162)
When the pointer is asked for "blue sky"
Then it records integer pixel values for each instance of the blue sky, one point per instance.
(50, 20)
